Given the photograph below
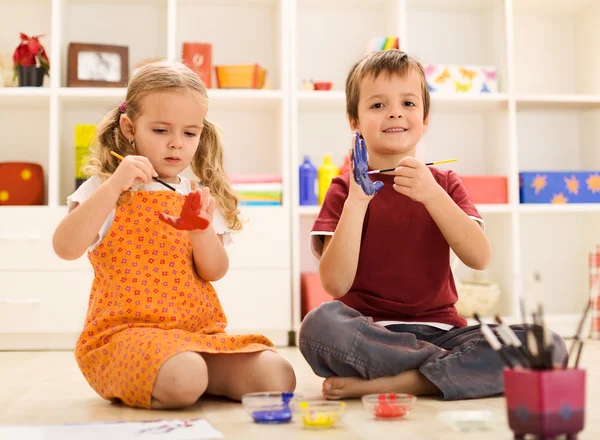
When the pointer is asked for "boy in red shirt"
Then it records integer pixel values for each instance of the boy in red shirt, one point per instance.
(384, 247)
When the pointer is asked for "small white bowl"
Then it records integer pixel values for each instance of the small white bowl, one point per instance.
(466, 421)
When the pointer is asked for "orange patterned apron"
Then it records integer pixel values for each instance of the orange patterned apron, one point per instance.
(147, 303)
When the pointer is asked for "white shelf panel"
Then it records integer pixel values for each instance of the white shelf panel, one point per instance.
(567, 100)
(337, 99)
(558, 7)
(91, 95)
(24, 92)
(252, 97)
(567, 208)
(245, 97)
(24, 96)
(495, 208)
(309, 210)
(483, 209)
(484, 101)
(453, 6)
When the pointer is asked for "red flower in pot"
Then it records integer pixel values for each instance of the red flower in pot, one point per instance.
(30, 62)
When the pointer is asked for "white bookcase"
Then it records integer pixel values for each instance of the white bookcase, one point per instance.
(546, 116)
(43, 299)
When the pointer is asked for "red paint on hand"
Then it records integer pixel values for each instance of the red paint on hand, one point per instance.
(189, 219)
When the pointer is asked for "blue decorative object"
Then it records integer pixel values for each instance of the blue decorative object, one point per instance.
(559, 187)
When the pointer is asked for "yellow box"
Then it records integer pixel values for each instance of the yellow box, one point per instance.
(84, 135)
(240, 76)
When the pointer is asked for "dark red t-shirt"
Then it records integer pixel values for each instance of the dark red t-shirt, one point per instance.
(403, 269)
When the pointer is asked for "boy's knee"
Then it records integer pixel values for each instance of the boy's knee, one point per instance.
(319, 322)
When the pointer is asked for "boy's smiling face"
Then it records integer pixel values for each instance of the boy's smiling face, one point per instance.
(390, 114)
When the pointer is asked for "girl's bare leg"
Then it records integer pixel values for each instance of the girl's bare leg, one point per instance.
(233, 375)
(180, 382)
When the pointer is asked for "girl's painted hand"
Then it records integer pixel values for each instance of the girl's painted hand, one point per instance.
(197, 212)
(414, 179)
(361, 186)
(132, 170)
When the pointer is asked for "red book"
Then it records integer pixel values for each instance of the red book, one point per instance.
(198, 57)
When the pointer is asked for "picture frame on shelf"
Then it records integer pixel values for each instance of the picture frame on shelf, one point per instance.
(97, 65)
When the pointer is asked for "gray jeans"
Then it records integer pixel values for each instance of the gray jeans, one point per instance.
(336, 340)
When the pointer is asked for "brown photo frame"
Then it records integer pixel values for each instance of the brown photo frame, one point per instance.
(97, 65)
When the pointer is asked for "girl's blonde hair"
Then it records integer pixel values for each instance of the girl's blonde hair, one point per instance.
(207, 163)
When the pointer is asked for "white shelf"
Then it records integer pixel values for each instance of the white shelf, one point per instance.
(337, 99)
(24, 96)
(483, 209)
(216, 96)
(456, 102)
(567, 100)
(551, 7)
(568, 208)
(25, 92)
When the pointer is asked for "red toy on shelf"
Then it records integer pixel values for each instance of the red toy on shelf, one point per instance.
(21, 183)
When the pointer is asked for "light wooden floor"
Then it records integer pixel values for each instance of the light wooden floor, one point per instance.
(48, 388)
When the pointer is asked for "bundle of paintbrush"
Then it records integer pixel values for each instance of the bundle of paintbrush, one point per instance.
(538, 349)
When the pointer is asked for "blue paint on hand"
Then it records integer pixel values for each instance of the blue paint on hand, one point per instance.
(360, 167)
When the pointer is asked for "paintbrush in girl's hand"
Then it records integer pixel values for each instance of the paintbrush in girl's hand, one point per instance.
(118, 156)
(385, 170)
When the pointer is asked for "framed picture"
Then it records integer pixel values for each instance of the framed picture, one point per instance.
(97, 65)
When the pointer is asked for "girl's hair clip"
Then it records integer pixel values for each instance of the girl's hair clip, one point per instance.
(122, 107)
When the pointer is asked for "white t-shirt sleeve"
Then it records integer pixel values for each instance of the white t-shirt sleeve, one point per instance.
(85, 190)
(221, 228)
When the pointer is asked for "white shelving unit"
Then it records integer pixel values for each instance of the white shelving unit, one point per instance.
(546, 115)
(257, 290)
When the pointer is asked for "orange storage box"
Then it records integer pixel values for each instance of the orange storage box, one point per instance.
(21, 183)
(311, 292)
(486, 189)
(241, 76)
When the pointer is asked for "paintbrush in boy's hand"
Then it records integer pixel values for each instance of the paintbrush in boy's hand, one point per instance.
(385, 170)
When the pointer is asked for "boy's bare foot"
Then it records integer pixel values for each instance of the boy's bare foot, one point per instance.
(340, 387)
(411, 382)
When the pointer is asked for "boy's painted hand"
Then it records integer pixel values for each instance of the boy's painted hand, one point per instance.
(359, 165)
(197, 212)
(414, 179)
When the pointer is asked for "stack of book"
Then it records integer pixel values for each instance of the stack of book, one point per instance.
(257, 189)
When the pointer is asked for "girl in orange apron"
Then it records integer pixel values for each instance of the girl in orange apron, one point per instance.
(154, 334)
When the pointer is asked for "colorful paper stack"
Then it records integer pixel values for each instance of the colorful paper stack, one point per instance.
(449, 78)
(383, 43)
(595, 292)
(257, 189)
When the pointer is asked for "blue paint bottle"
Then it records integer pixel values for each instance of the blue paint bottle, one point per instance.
(307, 182)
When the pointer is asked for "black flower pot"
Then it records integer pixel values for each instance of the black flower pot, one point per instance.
(31, 76)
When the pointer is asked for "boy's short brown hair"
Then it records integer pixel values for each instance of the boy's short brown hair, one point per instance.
(390, 62)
